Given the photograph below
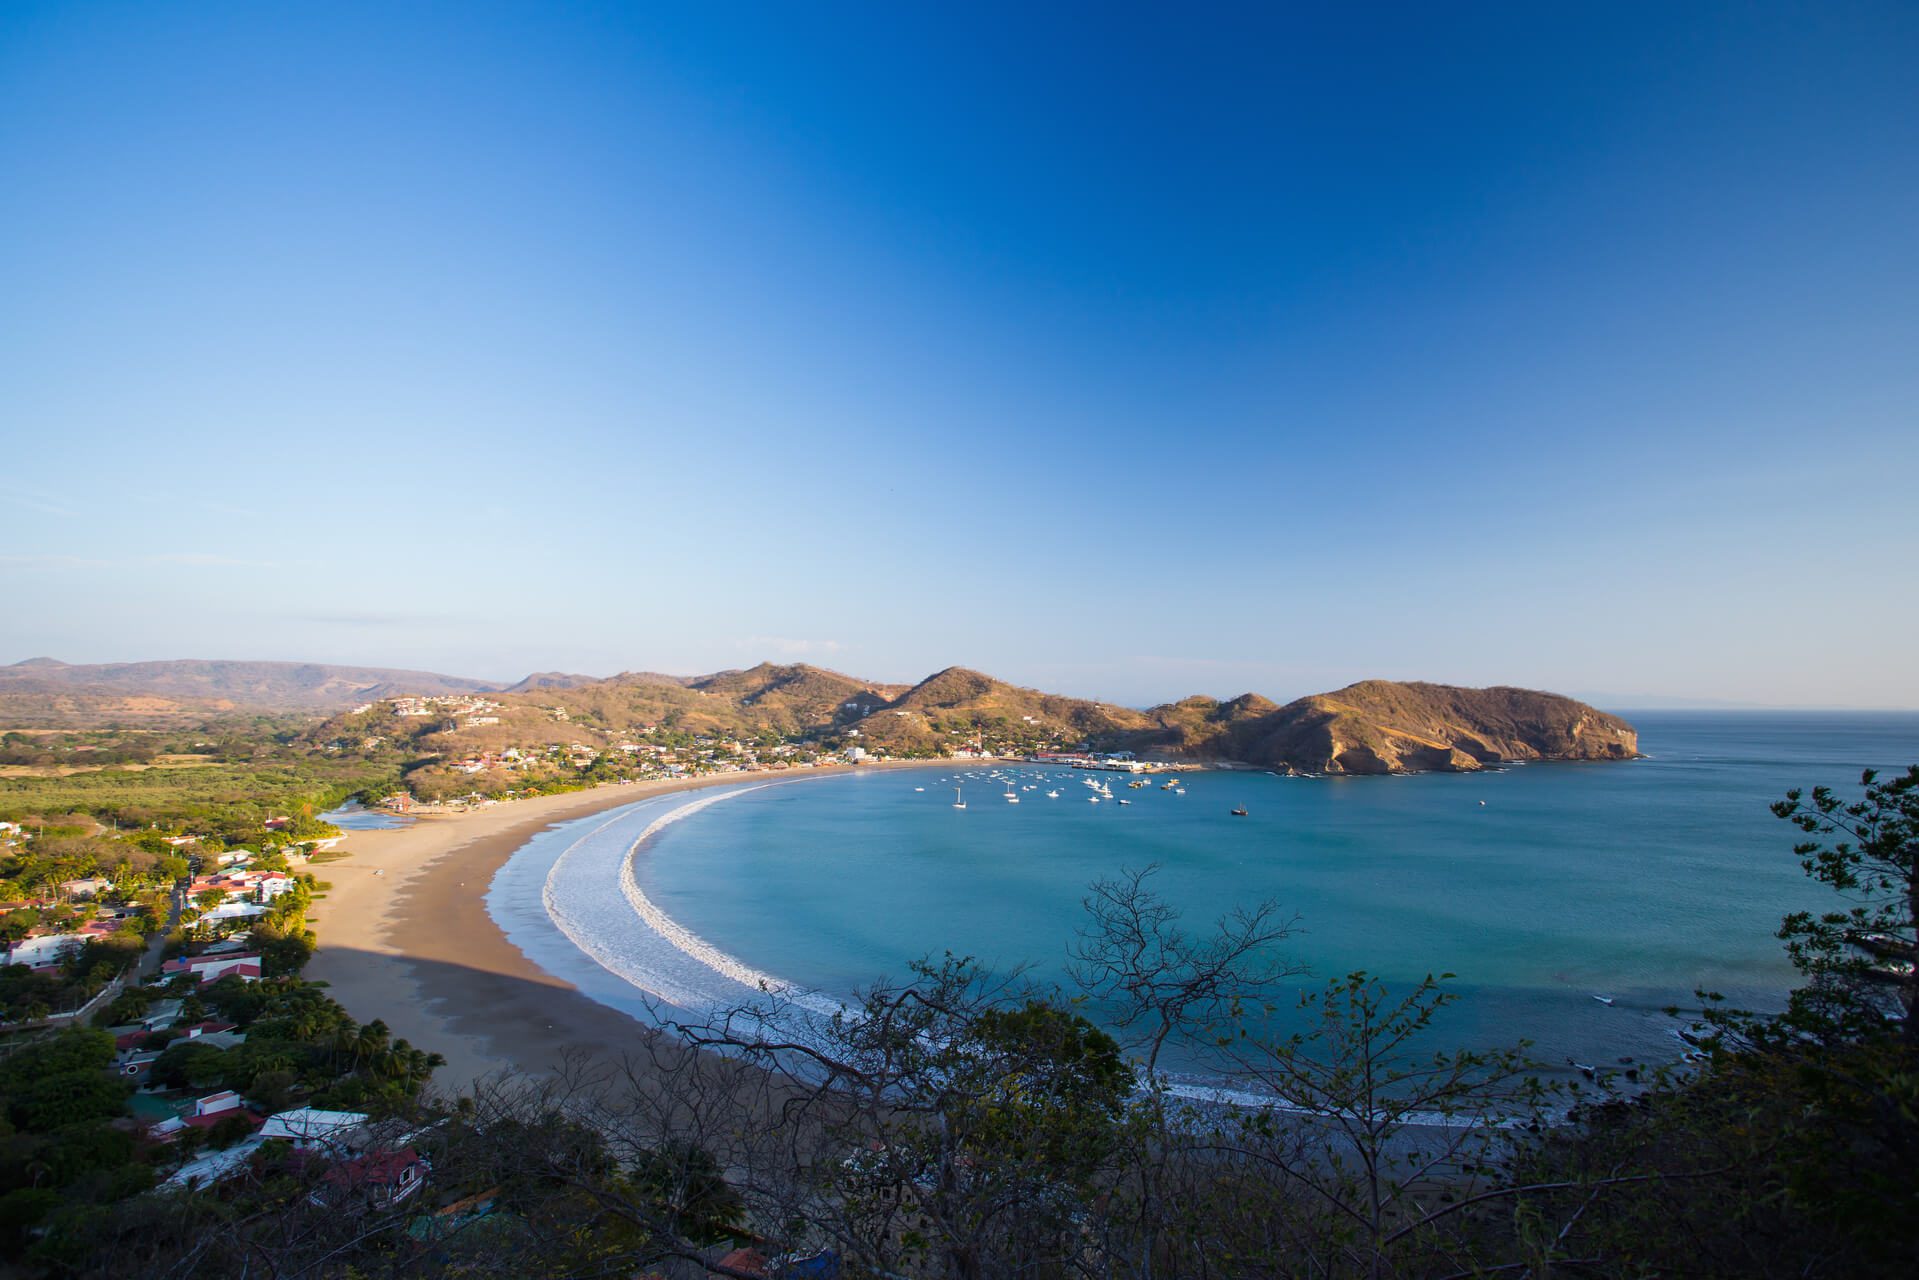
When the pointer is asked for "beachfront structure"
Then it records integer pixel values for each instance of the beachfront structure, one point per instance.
(243, 886)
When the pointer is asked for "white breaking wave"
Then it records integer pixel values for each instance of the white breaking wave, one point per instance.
(692, 944)
(684, 940)
(632, 965)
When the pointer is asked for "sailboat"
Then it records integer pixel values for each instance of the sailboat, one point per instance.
(957, 802)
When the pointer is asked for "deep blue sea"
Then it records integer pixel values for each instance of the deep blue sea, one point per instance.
(1539, 886)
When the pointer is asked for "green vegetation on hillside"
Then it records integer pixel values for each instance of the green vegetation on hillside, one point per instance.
(216, 796)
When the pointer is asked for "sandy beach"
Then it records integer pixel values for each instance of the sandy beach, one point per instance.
(414, 946)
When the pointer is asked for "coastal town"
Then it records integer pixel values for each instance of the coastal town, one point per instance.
(152, 1011)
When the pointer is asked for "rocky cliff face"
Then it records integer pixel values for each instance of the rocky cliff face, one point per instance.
(1381, 726)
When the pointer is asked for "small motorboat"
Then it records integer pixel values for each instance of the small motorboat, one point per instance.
(1239, 812)
(1605, 1000)
(1052, 795)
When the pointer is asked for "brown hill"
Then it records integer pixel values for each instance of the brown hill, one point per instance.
(958, 702)
(797, 698)
(1383, 726)
(550, 680)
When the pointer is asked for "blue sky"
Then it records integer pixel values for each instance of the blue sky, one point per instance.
(1126, 352)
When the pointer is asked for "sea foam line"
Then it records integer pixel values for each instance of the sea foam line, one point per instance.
(682, 938)
(691, 944)
(664, 927)
(584, 941)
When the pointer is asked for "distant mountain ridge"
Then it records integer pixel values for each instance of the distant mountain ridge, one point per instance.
(1374, 726)
(43, 688)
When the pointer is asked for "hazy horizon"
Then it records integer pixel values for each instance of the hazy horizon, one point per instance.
(1119, 353)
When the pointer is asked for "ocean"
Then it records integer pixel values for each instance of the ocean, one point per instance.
(1538, 886)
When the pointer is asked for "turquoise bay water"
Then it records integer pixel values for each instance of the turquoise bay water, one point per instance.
(1640, 880)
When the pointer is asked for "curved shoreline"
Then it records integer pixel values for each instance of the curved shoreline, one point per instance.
(405, 935)
(592, 944)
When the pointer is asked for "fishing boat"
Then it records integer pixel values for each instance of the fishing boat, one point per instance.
(1239, 811)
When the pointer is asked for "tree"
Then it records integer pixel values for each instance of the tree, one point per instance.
(1858, 961)
(690, 1190)
(1151, 975)
(953, 1124)
(1384, 1124)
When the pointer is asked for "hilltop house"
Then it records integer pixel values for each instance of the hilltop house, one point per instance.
(206, 1113)
(331, 1135)
(335, 1133)
(376, 1180)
